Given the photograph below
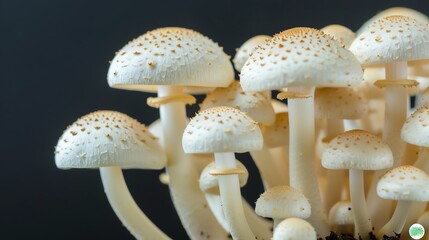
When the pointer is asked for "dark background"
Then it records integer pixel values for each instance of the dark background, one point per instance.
(53, 65)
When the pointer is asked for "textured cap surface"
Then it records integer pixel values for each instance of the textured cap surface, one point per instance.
(108, 138)
(300, 57)
(416, 128)
(404, 183)
(210, 184)
(221, 129)
(294, 229)
(277, 134)
(339, 103)
(170, 56)
(246, 50)
(357, 149)
(341, 33)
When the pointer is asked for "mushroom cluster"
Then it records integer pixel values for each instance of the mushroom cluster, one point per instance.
(342, 144)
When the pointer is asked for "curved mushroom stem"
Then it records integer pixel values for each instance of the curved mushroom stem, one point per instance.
(229, 187)
(363, 225)
(302, 170)
(395, 116)
(267, 168)
(397, 222)
(188, 199)
(125, 207)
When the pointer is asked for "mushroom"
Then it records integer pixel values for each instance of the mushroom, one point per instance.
(224, 131)
(358, 150)
(341, 217)
(169, 59)
(246, 50)
(341, 33)
(404, 184)
(110, 141)
(300, 59)
(294, 229)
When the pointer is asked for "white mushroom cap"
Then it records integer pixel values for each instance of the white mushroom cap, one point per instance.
(170, 56)
(300, 57)
(108, 138)
(256, 104)
(341, 214)
(210, 184)
(222, 129)
(404, 183)
(246, 50)
(283, 202)
(367, 87)
(339, 103)
(341, 33)
(294, 229)
(394, 11)
(277, 134)
(392, 39)
(357, 149)
(416, 128)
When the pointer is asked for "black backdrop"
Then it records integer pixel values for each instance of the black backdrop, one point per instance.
(53, 64)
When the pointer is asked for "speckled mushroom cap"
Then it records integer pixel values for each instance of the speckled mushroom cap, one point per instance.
(222, 129)
(255, 104)
(246, 50)
(341, 33)
(424, 98)
(404, 183)
(108, 138)
(277, 134)
(339, 103)
(416, 128)
(394, 11)
(392, 39)
(341, 214)
(300, 57)
(170, 56)
(210, 184)
(357, 149)
(294, 229)
(283, 202)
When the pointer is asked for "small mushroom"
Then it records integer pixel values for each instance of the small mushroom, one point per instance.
(294, 229)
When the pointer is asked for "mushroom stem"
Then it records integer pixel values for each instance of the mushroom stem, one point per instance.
(281, 159)
(363, 225)
(125, 207)
(397, 222)
(188, 199)
(229, 188)
(270, 174)
(302, 169)
(395, 116)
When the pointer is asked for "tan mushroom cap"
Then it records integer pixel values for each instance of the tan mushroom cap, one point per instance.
(404, 183)
(416, 128)
(341, 214)
(222, 129)
(392, 39)
(300, 57)
(342, 33)
(283, 202)
(256, 104)
(170, 56)
(367, 87)
(246, 50)
(108, 138)
(277, 134)
(210, 184)
(294, 229)
(357, 149)
(339, 103)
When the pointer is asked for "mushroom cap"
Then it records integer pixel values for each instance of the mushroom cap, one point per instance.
(210, 184)
(294, 229)
(367, 87)
(424, 97)
(341, 214)
(341, 33)
(339, 103)
(416, 128)
(108, 138)
(404, 183)
(256, 104)
(283, 202)
(300, 57)
(277, 134)
(170, 56)
(392, 39)
(246, 50)
(222, 129)
(357, 149)
(394, 11)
